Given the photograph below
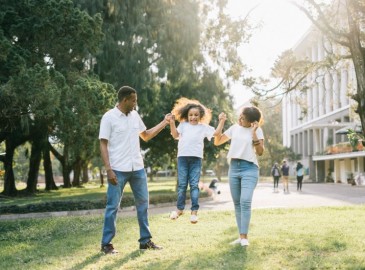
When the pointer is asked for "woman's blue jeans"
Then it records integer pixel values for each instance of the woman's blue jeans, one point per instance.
(243, 177)
(138, 182)
(188, 171)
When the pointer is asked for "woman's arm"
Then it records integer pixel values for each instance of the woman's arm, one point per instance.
(220, 138)
(258, 144)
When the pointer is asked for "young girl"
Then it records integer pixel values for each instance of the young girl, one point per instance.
(247, 141)
(192, 130)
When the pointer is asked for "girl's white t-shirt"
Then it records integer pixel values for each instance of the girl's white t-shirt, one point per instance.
(241, 142)
(191, 139)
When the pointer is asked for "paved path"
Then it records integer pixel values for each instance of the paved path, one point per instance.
(313, 195)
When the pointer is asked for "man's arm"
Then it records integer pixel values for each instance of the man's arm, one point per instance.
(112, 178)
(152, 132)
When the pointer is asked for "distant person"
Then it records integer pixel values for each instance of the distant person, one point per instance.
(300, 174)
(275, 172)
(247, 141)
(194, 127)
(285, 172)
(120, 130)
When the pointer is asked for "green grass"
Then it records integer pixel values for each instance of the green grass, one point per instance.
(311, 238)
(89, 192)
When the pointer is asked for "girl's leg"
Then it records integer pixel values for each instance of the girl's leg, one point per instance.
(182, 175)
(195, 165)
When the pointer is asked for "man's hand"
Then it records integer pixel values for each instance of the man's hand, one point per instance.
(168, 118)
(112, 178)
(222, 116)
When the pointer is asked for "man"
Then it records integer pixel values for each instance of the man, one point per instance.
(120, 129)
(285, 173)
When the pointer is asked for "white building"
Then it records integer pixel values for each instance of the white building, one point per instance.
(327, 108)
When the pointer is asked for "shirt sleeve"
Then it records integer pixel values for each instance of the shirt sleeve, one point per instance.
(105, 128)
(260, 134)
(142, 126)
(209, 132)
(229, 132)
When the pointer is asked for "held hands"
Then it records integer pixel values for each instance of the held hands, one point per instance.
(168, 118)
(222, 117)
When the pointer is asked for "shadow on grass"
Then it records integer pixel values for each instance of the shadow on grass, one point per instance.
(88, 261)
(118, 264)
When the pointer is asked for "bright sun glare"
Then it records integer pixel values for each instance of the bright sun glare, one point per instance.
(283, 24)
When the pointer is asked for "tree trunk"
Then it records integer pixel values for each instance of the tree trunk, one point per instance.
(47, 164)
(34, 163)
(101, 177)
(77, 173)
(358, 58)
(9, 180)
(85, 173)
(66, 169)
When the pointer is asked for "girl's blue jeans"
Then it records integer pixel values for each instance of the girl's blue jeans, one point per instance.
(243, 177)
(138, 182)
(188, 172)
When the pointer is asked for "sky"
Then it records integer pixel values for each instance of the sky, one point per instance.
(283, 25)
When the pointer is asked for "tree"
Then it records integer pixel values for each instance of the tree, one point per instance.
(42, 43)
(164, 49)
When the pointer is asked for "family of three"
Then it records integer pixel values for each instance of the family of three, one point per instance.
(120, 130)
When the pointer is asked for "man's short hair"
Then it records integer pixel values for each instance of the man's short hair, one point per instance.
(124, 92)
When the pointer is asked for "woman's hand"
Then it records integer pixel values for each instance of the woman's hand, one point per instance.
(222, 116)
(255, 125)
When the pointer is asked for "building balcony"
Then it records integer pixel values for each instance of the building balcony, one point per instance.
(344, 147)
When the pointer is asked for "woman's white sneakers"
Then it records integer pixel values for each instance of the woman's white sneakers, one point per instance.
(240, 241)
(193, 219)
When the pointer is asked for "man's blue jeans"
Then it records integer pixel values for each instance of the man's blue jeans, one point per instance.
(138, 182)
(243, 177)
(188, 171)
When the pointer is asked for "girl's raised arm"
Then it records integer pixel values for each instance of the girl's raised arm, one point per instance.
(174, 132)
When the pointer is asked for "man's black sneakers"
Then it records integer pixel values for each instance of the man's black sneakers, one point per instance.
(149, 245)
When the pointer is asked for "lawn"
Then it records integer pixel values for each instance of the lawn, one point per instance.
(89, 192)
(310, 238)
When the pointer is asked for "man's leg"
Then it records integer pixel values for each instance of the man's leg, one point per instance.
(114, 197)
(138, 184)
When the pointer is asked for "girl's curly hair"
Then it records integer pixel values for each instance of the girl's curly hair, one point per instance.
(182, 107)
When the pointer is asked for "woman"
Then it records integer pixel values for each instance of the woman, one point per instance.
(247, 141)
(300, 173)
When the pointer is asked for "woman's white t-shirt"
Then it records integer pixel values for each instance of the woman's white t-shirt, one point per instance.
(191, 139)
(241, 142)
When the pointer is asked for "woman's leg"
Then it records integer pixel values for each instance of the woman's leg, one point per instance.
(243, 178)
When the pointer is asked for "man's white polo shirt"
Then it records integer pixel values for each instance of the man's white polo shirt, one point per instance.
(122, 132)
